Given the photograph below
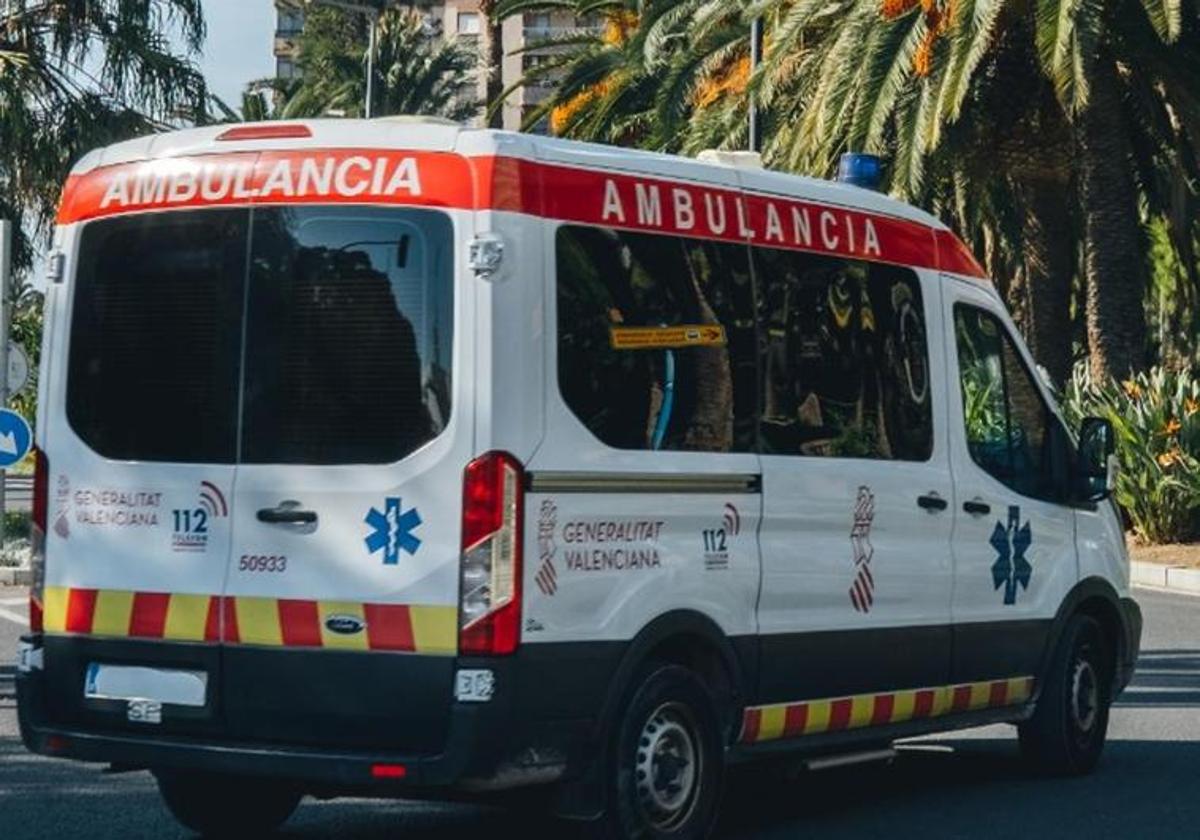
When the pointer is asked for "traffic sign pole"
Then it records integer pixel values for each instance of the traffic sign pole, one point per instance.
(6, 244)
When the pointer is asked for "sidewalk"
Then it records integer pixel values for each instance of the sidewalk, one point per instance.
(1174, 567)
(1175, 578)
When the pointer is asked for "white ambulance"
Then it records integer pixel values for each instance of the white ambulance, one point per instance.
(395, 458)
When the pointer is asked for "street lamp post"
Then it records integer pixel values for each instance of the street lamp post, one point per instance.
(6, 249)
(371, 12)
(756, 49)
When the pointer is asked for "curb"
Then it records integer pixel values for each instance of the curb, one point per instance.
(16, 577)
(1177, 578)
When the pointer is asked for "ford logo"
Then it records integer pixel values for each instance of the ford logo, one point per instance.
(345, 625)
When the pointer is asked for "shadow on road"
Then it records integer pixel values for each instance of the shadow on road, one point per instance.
(965, 787)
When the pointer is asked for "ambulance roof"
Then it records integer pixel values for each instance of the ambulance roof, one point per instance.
(549, 157)
(432, 134)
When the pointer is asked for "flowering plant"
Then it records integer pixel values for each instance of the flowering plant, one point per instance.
(1156, 416)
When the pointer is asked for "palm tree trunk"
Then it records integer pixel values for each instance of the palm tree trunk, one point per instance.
(1113, 247)
(494, 62)
(1049, 265)
(1032, 145)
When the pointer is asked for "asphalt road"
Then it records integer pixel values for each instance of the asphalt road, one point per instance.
(964, 785)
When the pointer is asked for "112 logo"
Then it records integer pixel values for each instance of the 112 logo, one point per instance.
(191, 524)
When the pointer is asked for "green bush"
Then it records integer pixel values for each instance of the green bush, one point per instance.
(1156, 416)
(16, 525)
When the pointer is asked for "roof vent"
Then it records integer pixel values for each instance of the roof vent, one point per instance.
(733, 159)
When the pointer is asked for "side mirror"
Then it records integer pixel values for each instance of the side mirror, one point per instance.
(1096, 468)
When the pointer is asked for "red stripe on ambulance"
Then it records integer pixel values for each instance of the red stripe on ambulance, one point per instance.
(149, 615)
(816, 717)
(566, 193)
(286, 622)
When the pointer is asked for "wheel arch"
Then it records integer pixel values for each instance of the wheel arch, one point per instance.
(1094, 597)
(682, 637)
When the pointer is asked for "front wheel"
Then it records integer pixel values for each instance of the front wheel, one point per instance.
(215, 805)
(667, 762)
(1066, 734)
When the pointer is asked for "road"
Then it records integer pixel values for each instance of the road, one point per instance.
(964, 785)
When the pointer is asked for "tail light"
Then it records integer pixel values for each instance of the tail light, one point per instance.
(489, 621)
(37, 537)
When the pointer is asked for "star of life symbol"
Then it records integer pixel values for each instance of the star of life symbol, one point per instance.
(392, 531)
(862, 592)
(1011, 542)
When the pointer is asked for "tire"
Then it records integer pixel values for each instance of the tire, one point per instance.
(1066, 734)
(665, 768)
(215, 805)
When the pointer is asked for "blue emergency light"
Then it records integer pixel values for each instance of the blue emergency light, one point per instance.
(861, 170)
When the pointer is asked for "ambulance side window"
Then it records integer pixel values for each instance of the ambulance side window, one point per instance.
(656, 340)
(845, 359)
(1010, 430)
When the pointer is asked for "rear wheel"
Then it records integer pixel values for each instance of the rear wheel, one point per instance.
(1066, 734)
(216, 805)
(666, 766)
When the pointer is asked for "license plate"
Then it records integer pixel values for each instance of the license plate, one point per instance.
(152, 685)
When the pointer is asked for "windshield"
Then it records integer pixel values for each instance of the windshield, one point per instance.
(315, 335)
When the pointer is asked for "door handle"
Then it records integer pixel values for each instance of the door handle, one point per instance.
(932, 502)
(977, 508)
(287, 513)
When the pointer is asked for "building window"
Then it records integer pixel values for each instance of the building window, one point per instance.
(285, 68)
(468, 23)
(537, 24)
(291, 23)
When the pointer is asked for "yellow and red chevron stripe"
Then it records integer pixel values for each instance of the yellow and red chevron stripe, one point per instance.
(278, 622)
(816, 717)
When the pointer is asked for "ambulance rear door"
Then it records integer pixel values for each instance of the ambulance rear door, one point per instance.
(140, 435)
(341, 599)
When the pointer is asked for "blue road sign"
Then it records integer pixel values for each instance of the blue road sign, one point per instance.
(15, 437)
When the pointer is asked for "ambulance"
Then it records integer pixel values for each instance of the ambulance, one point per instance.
(395, 458)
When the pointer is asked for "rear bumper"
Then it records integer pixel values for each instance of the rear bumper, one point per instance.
(487, 746)
(1131, 622)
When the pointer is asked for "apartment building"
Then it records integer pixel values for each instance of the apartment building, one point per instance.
(463, 20)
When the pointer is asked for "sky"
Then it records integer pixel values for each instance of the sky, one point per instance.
(241, 37)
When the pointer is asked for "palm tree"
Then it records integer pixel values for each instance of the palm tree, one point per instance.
(610, 84)
(896, 76)
(493, 62)
(1042, 130)
(414, 73)
(76, 74)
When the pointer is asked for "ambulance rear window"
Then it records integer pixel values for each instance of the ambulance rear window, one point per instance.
(285, 335)
(155, 336)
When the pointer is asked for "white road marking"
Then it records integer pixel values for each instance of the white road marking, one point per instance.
(15, 618)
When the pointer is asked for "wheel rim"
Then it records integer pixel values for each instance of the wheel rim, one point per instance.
(668, 766)
(1085, 696)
